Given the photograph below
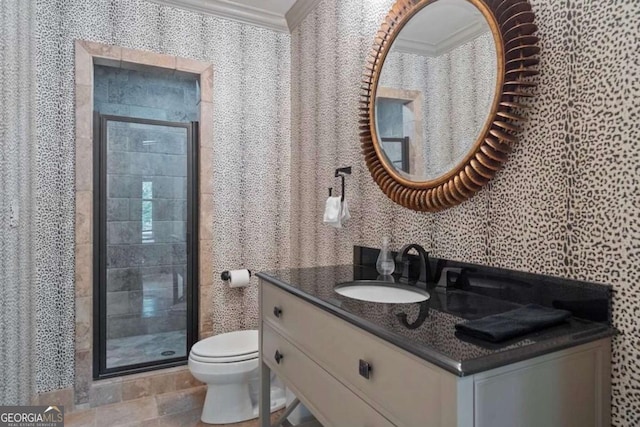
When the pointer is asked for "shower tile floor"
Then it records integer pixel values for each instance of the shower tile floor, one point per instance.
(145, 348)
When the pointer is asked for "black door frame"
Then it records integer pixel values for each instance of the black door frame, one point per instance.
(404, 146)
(100, 370)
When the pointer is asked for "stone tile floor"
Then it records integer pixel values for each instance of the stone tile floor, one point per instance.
(145, 348)
(190, 418)
(193, 420)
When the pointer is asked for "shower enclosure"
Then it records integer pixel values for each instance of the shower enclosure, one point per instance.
(146, 235)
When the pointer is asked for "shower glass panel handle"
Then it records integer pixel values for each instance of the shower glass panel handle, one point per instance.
(145, 228)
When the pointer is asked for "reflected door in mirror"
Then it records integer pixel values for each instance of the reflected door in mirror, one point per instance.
(440, 74)
(444, 90)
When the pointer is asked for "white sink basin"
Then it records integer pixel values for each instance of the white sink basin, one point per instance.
(385, 292)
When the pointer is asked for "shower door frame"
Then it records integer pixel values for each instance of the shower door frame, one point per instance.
(100, 370)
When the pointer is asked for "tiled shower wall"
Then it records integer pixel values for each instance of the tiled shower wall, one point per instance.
(249, 164)
(143, 271)
(157, 94)
(146, 93)
(566, 204)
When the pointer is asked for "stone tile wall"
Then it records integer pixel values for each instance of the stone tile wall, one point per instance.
(157, 94)
(86, 392)
(150, 93)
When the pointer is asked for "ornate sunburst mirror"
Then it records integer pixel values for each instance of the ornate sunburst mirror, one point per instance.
(443, 94)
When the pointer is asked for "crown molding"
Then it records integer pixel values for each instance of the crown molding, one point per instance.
(460, 37)
(234, 11)
(299, 11)
(415, 47)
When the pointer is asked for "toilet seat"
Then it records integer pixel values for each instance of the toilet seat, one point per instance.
(229, 364)
(230, 347)
(232, 359)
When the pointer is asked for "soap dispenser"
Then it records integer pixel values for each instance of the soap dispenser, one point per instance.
(385, 263)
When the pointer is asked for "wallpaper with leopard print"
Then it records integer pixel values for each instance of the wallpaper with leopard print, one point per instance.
(17, 204)
(566, 204)
(460, 88)
(250, 165)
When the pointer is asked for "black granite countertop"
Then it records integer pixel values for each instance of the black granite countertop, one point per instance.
(427, 329)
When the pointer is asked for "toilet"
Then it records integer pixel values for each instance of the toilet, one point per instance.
(229, 365)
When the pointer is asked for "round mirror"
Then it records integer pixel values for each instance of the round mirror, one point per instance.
(436, 89)
(442, 96)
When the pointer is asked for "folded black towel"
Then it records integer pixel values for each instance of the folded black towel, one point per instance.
(510, 324)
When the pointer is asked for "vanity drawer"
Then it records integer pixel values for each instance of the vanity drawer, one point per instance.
(324, 395)
(405, 389)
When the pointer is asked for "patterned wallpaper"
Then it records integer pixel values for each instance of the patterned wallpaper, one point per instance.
(250, 167)
(566, 204)
(17, 202)
(458, 90)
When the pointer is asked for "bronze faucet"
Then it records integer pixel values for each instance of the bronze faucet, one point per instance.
(403, 258)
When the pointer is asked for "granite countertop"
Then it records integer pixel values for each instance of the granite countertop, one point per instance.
(428, 330)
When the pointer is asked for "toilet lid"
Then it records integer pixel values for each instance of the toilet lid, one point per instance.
(229, 345)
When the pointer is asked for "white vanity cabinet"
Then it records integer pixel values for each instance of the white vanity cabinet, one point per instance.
(348, 377)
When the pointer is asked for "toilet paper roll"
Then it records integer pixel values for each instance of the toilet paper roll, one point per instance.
(239, 278)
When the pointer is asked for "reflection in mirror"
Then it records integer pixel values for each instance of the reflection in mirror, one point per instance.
(436, 89)
(419, 320)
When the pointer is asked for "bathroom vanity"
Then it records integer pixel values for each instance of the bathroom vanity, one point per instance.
(431, 140)
(355, 363)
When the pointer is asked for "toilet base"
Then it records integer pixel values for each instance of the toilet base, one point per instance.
(227, 403)
(232, 403)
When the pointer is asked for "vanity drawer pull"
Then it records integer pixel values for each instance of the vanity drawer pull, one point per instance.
(365, 369)
(277, 311)
(278, 356)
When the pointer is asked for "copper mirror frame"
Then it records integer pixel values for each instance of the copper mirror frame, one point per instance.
(513, 28)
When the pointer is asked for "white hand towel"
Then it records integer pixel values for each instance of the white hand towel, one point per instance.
(333, 212)
(345, 216)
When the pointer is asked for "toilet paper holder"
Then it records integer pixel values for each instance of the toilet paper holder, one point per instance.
(226, 276)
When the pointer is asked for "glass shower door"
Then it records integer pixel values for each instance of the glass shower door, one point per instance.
(145, 280)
